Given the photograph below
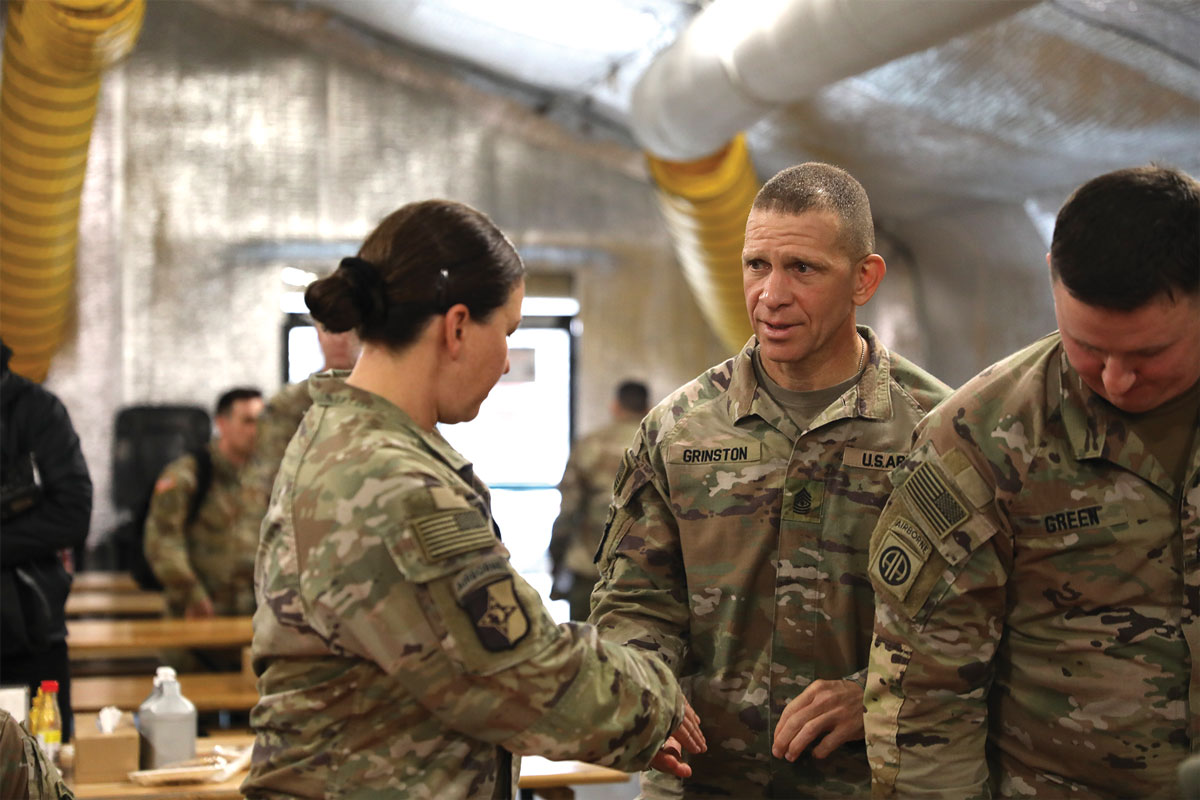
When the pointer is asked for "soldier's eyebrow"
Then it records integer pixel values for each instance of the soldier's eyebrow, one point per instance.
(1150, 350)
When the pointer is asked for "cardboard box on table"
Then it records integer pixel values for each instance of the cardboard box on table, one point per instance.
(103, 757)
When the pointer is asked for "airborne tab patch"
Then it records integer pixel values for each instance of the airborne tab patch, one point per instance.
(448, 533)
(931, 498)
(481, 574)
(497, 615)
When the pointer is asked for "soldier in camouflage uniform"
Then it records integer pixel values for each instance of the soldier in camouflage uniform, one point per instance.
(278, 424)
(398, 652)
(1036, 570)
(586, 489)
(737, 543)
(207, 567)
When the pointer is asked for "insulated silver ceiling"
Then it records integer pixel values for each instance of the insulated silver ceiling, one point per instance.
(1015, 110)
(968, 135)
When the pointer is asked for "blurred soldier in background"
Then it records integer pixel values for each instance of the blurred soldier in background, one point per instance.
(193, 540)
(586, 489)
(278, 424)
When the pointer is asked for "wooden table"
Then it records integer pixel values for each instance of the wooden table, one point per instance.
(115, 638)
(209, 691)
(552, 779)
(98, 603)
(93, 581)
(128, 790)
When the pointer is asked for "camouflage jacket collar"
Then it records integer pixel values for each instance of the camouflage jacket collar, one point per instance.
(1094, 430)
(330, 389)
(870, 398)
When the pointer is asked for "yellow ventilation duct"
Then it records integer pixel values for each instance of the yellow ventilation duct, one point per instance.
(54, 53)
(705, 204)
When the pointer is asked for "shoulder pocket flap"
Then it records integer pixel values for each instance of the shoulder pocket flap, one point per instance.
(445, 541)
(632, 477)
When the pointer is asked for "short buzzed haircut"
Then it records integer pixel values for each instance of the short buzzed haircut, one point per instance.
(226, 400)
(814, 186)
(633, 396)
(1127, 237)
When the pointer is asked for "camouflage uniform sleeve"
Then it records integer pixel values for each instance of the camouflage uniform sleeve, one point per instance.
(939, 572)
(641, 599)
(24, 769)
(435, 602)
(166, 540)
(571, 512)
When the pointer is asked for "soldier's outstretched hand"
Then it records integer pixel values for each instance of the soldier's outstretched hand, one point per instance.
(829, 709)
(686, 737)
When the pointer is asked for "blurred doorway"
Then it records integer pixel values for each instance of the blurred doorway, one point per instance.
(519, 445)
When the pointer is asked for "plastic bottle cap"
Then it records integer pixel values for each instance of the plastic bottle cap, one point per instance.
(49, 686)
(164, 674)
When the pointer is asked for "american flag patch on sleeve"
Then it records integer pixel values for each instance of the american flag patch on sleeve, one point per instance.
(930, 497)
(448, 533)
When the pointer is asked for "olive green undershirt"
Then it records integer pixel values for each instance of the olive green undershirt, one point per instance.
(802, 407)
(1168, 431)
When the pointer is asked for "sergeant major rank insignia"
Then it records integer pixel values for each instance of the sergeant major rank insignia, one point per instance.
(803, 501)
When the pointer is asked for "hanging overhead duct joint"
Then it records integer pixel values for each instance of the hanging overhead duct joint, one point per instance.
(738, 60)
(54, 53)
(705, 204)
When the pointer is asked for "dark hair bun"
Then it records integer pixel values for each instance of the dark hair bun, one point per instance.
(354, 296)
(331, 302)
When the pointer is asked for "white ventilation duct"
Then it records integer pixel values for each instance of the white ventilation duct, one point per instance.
(740, 58)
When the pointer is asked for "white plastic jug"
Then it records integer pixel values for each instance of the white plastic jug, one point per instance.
(167, 723)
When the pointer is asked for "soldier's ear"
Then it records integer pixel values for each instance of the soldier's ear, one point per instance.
(868, 274)
(453, 329)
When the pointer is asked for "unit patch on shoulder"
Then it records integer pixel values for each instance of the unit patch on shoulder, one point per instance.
(900, 557)
(931, 499)
(497, 614)
(164, 484)
(447, 533)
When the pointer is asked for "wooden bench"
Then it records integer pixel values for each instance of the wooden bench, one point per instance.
(94, 581)
(548, 779)
(96, 603)
(130, 638)
(210, 691)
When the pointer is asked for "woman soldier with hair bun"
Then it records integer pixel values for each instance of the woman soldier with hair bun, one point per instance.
(398, 652)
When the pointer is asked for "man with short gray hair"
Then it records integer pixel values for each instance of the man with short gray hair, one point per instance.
(736, 547)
